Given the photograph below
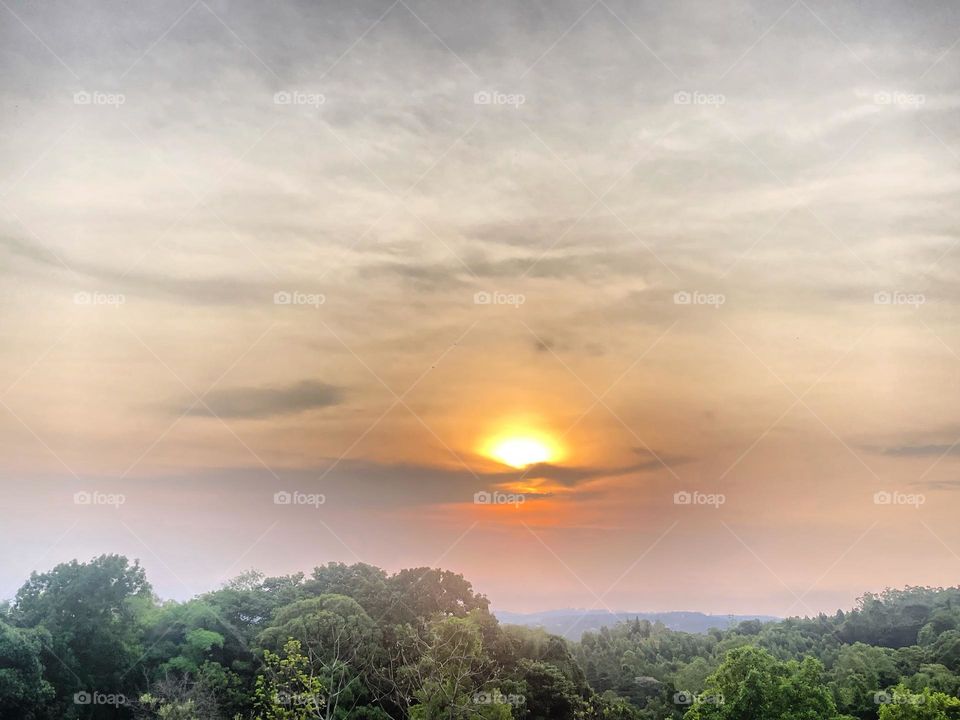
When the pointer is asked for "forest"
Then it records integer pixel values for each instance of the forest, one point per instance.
(352, 642)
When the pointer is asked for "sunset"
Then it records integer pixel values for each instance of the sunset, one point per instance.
(586, 358)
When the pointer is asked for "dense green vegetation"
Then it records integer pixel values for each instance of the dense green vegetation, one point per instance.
(90, 640)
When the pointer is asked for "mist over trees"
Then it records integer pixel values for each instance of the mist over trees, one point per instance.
(91, 640)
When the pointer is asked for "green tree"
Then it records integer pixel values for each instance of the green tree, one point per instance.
(94, 615)
(288, 689)
(901, 704)
(447, 674)
(23, 691)
(340, 642)
(751, 684)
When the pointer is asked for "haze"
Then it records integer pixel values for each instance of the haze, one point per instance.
(704, 254)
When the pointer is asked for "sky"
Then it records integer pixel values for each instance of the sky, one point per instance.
(277, 280)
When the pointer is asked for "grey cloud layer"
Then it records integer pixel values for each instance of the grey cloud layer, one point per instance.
(264, 402)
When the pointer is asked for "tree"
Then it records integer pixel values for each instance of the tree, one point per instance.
(364, 583)
(23, 690)
(900, 704)
(194, 639)
(444, 674)
(858, 672)
(94, 614)
(424, 592)
(289, 689)
(549, 693)
(751, 684)
(339, 640)
(178, 698)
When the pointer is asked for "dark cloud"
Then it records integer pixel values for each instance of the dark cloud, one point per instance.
(917, 450)
(261, 402)
(543, 344)
(366, 484)
(655, 459)
(423, 276)
(950, 485)
(572, 476)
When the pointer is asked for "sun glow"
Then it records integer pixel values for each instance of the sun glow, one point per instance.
(521, 450)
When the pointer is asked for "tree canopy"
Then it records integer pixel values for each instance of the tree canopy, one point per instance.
(352, 642)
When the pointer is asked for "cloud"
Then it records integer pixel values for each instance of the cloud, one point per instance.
(952, 485)
(368, 484)
(261, 402)
(211, 290)
(572, 476)
(917, 450)
(544, 344)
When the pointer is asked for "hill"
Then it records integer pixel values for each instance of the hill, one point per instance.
(571, 623)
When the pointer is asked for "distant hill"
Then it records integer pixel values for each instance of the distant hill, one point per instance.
(572, 623)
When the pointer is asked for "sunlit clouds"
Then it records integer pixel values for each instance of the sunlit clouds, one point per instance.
(398, 255)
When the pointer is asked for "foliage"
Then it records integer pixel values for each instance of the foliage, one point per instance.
(23, 689)
(288, 689)
(93, 615)
(352, 642)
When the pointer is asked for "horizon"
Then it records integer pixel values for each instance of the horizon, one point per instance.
(594, 303)
(494, 609)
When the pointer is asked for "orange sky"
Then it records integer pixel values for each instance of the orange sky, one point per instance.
(247, 251)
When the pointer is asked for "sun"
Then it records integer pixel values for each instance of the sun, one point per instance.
(521, 450)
